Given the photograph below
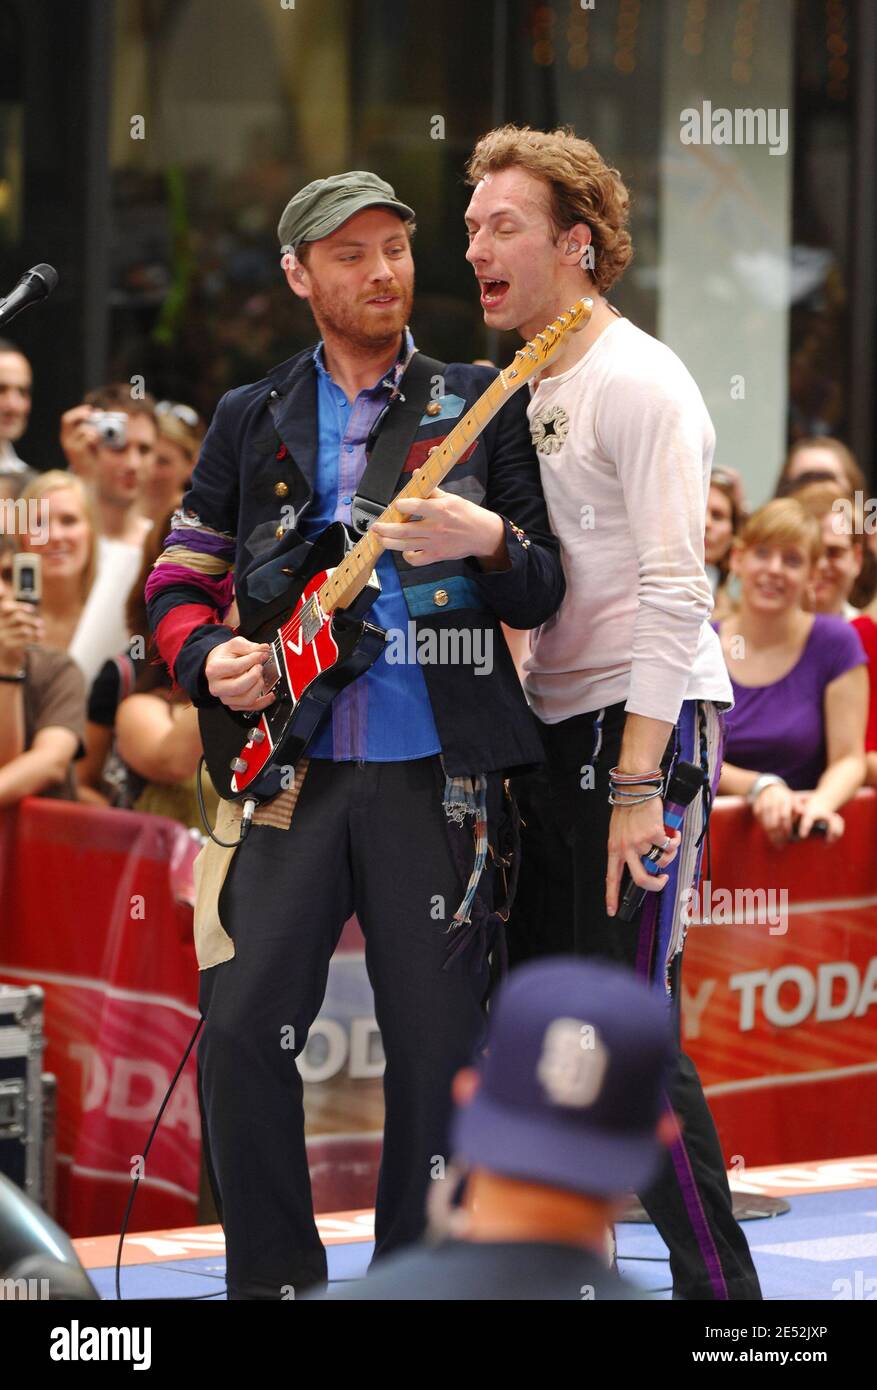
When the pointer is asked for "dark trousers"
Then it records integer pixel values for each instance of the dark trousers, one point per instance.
(364, 837)
(565, 829)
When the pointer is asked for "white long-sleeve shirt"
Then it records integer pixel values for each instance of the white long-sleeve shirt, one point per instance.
(625, 445)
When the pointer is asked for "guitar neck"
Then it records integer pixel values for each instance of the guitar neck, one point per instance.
(348, 578)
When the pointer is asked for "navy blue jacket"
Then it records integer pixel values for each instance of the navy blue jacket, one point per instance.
(256, 472)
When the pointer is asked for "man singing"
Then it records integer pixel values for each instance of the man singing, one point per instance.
(628, 677)
(398, 812)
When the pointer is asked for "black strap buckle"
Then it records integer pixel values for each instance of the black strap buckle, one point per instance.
(363, 512)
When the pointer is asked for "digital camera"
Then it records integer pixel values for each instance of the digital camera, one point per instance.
(112, 427)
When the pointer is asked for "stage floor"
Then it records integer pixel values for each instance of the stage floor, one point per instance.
(824, 1248)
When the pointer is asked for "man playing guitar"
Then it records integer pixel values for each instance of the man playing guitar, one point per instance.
(403, 777)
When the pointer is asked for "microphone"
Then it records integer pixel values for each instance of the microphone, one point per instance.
(34, 285)
(686, 782)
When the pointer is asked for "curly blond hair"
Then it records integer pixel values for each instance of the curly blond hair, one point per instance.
(582, 187)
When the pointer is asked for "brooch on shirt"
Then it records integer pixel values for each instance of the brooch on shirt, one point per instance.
(549, 429)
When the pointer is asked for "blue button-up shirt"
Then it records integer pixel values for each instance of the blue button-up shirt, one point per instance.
(385, 714)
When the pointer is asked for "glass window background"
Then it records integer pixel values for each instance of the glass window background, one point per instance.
(822, 218)
(741, 260)
(241, 106)
(11, 128)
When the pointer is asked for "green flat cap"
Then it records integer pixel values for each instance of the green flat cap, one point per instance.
(319, 209)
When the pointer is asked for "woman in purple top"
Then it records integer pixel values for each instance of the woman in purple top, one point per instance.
(794, 741)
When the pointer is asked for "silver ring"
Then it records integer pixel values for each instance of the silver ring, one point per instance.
(656, 851)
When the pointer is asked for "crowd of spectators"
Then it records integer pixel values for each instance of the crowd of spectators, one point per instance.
(88, 713)
(795, 608)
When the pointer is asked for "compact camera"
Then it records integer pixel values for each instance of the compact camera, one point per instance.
(111, 426)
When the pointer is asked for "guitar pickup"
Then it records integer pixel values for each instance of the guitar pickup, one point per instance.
(311, 619)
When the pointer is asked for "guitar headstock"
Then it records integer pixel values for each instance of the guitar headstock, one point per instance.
(538, 352)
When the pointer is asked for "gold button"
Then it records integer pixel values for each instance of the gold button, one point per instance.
(434, 408)
(280, 532)
(280, 489)
(440, 597)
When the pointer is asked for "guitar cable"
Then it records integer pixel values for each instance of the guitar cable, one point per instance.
(246, 818)
(136, 1181)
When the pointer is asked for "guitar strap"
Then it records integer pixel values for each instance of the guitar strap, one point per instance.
(396, 430)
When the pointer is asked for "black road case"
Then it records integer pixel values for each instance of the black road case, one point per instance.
(21, 1088)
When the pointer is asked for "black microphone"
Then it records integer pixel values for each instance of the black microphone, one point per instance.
(34, 285)
(686, 782)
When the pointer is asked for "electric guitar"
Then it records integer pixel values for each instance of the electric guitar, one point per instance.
(319, 634)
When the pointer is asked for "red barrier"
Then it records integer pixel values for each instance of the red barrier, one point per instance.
(778, 1014)
(90, 913)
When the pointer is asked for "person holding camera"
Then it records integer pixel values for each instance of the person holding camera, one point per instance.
(64, 547)
(42, 700)
(794, 741)
(82, 615)
(110, 442)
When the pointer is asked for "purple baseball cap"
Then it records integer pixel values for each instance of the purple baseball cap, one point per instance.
(572, 1085)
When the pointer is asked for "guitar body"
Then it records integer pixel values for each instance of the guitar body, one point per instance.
(314, 657)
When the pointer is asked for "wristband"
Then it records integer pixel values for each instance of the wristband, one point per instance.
(17, 679)
(766, 779)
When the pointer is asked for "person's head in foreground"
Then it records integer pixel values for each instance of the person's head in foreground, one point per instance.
(562, 1117)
